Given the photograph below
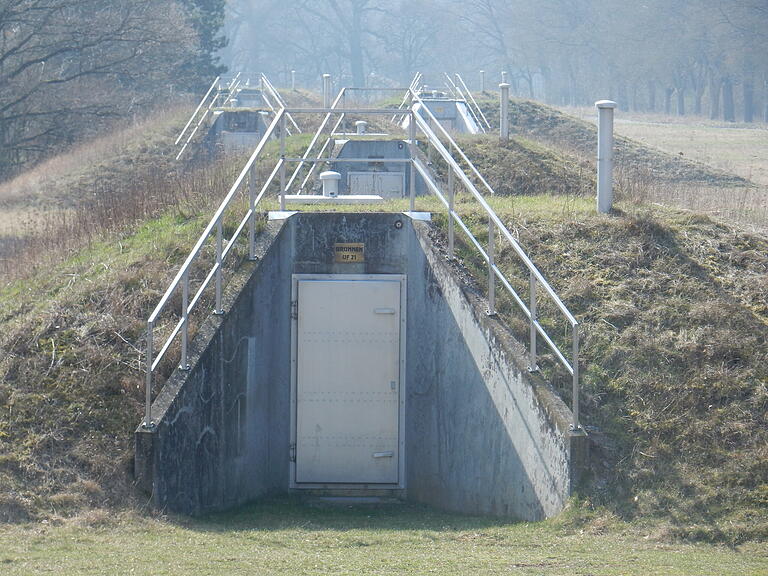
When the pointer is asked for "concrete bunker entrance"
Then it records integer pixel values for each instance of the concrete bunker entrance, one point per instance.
(472, 432)
(347, 381)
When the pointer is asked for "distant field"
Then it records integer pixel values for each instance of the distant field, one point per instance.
(286, 537)
(738, 148)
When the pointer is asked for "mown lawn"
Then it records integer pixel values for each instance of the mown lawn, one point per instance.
(290, 537)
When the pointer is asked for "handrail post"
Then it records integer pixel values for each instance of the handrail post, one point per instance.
(533, 360)
(451, 202)
(491, 266)
(343, 116)
(575, 406)
(219, 251)
(252, 220)
(148, 383)
(412, 150)
(184, 364)
(282, 162)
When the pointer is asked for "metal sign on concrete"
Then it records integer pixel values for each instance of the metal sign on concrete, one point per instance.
(347, 253)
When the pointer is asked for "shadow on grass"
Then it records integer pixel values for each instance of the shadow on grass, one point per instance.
(297, 512)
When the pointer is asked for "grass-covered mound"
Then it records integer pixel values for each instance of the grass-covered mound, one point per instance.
(71, 386)
(554, 129)
(672, 305)
(674, 312)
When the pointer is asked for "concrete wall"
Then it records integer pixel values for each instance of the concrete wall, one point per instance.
(482, 435)
(218, 440)
(374, 149)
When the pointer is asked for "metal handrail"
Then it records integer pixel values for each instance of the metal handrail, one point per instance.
(472, 98)
(316, 137)
(450, 84)
(214, 274)
(411, 88)
(535, 276)
(194, 114)
(453, 144)
(456, 171)
(276, 95)
(463, 98)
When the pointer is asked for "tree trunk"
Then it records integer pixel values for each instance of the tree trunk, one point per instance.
(529, 81)
(681, 101)
(651, 96)
(698, 97)
(635, 99)
(356, 49)
(729, 110)
(765, 102)
(714, 98)
(749, 100)
(623, 97)
(668, 101)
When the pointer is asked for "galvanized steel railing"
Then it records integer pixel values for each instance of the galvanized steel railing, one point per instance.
(495, 224)
(536, 280)
(182, 280)
(211, 99)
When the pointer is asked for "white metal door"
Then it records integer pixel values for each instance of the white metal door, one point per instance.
(390, 184)
(348, 381)
(385, 184)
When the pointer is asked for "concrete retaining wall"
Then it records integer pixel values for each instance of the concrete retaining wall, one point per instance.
(482, 435)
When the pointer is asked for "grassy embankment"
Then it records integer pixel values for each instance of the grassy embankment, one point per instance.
(674, 312)
(669, 170)
(738, 148)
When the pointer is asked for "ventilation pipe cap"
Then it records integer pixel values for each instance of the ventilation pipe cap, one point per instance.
(330, 180)
(361, 126)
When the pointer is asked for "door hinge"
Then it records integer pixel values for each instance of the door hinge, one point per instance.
(294, 309)
(292, 453)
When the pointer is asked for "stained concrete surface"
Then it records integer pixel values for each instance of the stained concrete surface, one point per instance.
(482, 435)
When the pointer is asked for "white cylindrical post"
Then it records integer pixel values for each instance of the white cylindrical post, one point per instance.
(504, 113)
(293, 79)
(412, 152)
(326, 91)
(282, 161)
(252, 177)
(491, 271)
(361, 126)
(148, 383)
(605, 155)
(330, 181)
(451, 204)
(504, 78)
(482, 80)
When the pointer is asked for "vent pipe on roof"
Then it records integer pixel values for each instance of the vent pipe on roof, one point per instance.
(330, 180)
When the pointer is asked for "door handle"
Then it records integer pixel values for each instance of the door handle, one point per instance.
(384, 311)
(389, 454)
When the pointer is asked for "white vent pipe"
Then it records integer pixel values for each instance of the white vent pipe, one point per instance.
(605, 155)
(504, 112)
(326, 91)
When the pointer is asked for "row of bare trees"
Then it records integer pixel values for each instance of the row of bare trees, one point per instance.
(70, 68)
(681, 56)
